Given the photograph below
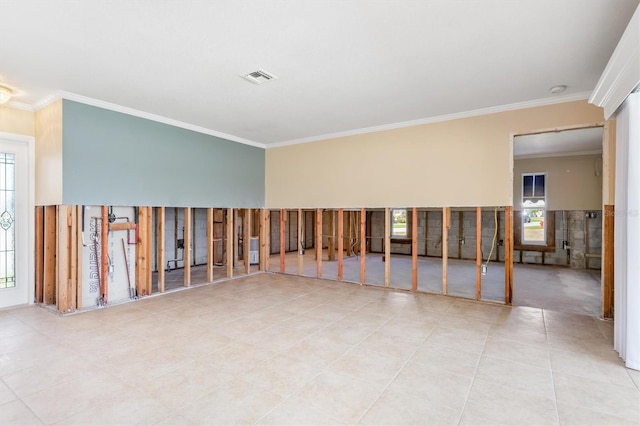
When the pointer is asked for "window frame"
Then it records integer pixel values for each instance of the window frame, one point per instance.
(523, 240)
(407, 234)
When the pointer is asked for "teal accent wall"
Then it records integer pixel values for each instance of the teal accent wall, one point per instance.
(111, 158)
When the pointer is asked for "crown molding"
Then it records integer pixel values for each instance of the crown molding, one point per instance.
(621, 76)
(141, 114)
(19, 105)
(448, 117)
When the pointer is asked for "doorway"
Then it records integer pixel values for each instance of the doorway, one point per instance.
(16, 220)
(558, 220)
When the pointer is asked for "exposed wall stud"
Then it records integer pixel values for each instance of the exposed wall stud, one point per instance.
(363, 245)
(160, 249)
(50, 246)
(446, 224)
(282, 241)
(209, 245)
(608, 222)
(414, 249)
(104, 256)
(300, 245)
(478, 253)
(340, 244)
(230, 237)
(508, 250)
(319, 243)
(387, 246)
(187, 247)
(246, 240)
(39, 254)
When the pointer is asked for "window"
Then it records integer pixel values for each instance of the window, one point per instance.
(399, 223)
(534, 203)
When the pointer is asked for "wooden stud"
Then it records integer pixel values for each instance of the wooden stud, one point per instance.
(79, 248)
(50, 246)
(300, 245)
(446, 224)
(209, 245)
(149, 276)
(161, 247)
(74, 263)
(319, 243)
(387, 246)
(246, 239)
(187, 247)
(265, 246)
(104, 255)
(340, 244)
(478, 253)
(414, 249)
(39, 254)
(175, 232)
(508, 261)
(62, 258)
(331, 237)
(426, 233)
(140, 254)
(122, 226)
(460, 232)
(363, 245)
(282, 242)
(230, 238)
(607, 259)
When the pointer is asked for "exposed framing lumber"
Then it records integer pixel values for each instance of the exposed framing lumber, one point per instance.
(460, 232)
(122, 226)
(387, 246)
(75, 261)
(78, 255)
(607, 258)
(209, 245)
(104, 256)
(161, 247)
(331, 237)
(363, 245)
(347, 231)
(230, 238)
(265, 239)
(319, 243)
(508, 261)
(187, 247)
(426, 233)
(246, 240)
(50, 246)
(446, 224)
(282, 241)
(300, 249)
(64, 260)
(340, 244)
(414, 249)
(478, 253)
(39, 254)
(149, 245)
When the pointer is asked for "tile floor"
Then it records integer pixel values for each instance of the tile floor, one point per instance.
(274, 349)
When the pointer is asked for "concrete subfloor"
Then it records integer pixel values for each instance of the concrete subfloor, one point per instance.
(548, 287)
(276, 349)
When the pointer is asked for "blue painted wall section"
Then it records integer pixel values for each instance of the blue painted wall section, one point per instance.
(111, 158)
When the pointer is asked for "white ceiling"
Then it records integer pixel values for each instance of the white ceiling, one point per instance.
(342, 65)
(555, 144)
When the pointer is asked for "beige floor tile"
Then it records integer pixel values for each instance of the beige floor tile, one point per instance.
(180, 387)
(582, 416)
(516, 333)
(236, 402)
(435, 386)
(295, 412)
(621, 401)
(79, 395)
(476, 325)
(469, 309)
(516, 375)
(534, 355)
(377, 368)
(238, 358)
(466, 341)
(318, 349)
(588, 345)
(135, 370)
(635, 376)
(395, 345)
(176, 419)
(276, 338)
(406, 408)
(349, 333)
(591, 366)
(409, 329)
(6, 394)
(125, 409)
(282, 374)
(345, 397)
(452, 360)
(17, 413)
(490, 403)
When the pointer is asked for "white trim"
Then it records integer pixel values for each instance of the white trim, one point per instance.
(622, 73)
(437, 119)
(30, 141)
(558, 154)
(19, 105)
(137, 113)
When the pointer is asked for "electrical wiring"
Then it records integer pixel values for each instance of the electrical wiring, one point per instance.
(495, 235)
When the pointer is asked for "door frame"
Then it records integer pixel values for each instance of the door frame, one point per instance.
(29, 142)
(608, 171)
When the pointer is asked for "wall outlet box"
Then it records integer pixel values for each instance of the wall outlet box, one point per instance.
(483, 269)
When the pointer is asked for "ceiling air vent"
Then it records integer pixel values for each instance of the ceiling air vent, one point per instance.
(259, 76)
